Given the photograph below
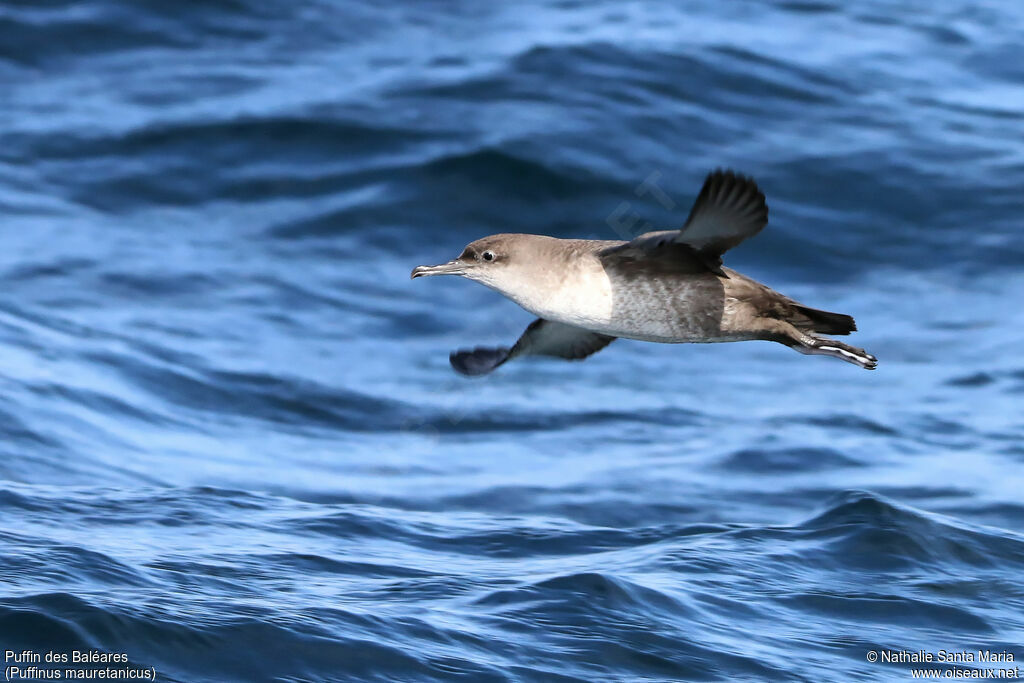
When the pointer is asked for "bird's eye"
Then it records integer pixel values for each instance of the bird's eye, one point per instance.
(488, 256)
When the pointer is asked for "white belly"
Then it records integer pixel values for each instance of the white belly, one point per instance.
(584, 300)
(668, 310)
(664, 308)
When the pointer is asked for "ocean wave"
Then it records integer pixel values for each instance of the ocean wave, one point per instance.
(663, 599)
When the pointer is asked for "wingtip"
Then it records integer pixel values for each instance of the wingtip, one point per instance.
(478, 361)
(729, 209)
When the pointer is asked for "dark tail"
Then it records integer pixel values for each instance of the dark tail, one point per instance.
(823, 322)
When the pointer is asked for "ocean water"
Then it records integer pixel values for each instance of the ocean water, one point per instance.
(231, 446)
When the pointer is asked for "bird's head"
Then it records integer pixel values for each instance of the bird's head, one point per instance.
(493, 261)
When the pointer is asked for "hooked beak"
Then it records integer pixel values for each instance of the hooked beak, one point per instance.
(451, 268)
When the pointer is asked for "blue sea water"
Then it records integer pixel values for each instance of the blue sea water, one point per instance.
(231, 446)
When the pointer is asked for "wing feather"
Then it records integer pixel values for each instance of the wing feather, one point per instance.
(541, 338)
(729, 209)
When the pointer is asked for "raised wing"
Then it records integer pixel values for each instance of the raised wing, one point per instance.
(541, 338)
(729, 209)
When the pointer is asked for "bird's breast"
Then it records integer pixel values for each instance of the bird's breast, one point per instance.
(659, 306)
(582, 297)
(677, 308)
(662, 307)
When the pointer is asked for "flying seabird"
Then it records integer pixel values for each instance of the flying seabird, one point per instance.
(667, 286)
